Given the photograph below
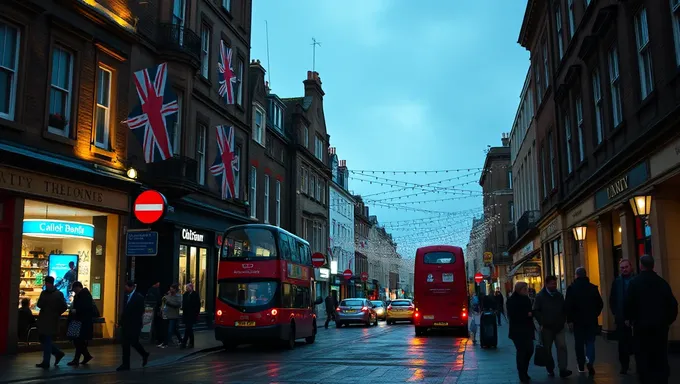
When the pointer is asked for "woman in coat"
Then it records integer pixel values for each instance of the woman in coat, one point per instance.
(522, 328)
(82, 311)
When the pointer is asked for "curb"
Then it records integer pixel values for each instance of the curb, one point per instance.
(151, 364)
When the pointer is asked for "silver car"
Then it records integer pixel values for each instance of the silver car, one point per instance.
(380, 309)
(355, 311)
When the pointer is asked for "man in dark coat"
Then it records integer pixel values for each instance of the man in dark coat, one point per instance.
(500, 305)
(131, 324)
(154, 298)
(550, 314)
(82, 311)
(331, 304)
(191, 308)
(650, 308)
(583, 306)
(52, 304)
(617, 297)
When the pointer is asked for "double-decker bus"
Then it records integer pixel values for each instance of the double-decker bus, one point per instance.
(265, 288)
(440, 289)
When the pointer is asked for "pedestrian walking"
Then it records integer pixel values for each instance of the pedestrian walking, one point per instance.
(81, 318)
(191, 308)
(549, 311)
(522, 329)
(52, 304)
(172, 302)
(476, 318)
(131, 326)
(155, 299)
(583, 306)
(500, 306)
(650, 308)
(331, 303)
(617, 296)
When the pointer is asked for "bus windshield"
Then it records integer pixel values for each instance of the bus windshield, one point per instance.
(247, 294)
(249, 243)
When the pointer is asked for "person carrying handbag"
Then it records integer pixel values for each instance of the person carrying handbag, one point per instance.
(549, 312)
(522, 328)
(81, 323)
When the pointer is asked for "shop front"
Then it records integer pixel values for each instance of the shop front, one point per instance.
(553, 252)
(527, 266)
(51, 226)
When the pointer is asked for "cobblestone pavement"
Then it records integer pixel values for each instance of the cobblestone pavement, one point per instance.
(383, 354)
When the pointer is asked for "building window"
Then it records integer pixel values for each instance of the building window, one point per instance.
(510, 179)
(511, 212)
(644, 54)
(258, 126)
(305, 136)
(205, 51)
(9, 65)
(226, 4)
(61, 84)
(567, 134)
(560, 31)
(539, 91)
(178, 15)
(305, 181)
(579, 127)
(597, 97)
(266, 199)
(615, 86)
(239, 82)
(572, 26)
(276, 116)
(318, 148)
(237, 172)
(252, 198)
(200, 152)
(176, 129)
(675, 15)
(323, 192)
(552, 161)
(543, 173)
(557, 260)
(102, 118)
(278, 203)
(312, 186)
(546, 69)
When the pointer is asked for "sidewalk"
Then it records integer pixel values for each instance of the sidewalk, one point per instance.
(106, 359)
(497, 366)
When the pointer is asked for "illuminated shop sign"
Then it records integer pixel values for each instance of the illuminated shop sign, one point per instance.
(58, 229)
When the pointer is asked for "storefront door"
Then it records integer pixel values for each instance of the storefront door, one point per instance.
(193, 262)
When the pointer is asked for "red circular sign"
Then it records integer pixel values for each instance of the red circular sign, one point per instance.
(478, 277)
(347, 274)
(150, 206)
(364, 276)
(318, 260)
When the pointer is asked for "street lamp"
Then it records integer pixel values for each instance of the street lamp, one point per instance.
(642, 207)
(580, 236)
(132, 173)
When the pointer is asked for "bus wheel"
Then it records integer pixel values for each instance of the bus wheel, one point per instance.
(312, 338)
(290, 343)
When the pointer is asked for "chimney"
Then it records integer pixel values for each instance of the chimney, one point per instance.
(313, 84)
(343, 164)
(505, 139)
(331, 151)
(267, 89)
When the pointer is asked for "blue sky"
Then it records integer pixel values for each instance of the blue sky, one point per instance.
(410, 85)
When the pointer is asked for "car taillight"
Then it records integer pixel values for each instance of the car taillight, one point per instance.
(417, 314)
(364, 309)
(389, 307)
(275, 312)
(411, 307)
(464, 314)
(338, 309)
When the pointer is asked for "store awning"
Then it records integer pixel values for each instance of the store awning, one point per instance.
(520, 263)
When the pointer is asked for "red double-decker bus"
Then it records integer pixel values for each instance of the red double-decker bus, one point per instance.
(440, 289)
(265, 288)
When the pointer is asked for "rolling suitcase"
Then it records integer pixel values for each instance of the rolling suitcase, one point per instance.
(488, 330)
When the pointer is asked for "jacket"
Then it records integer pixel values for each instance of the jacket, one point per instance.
(52, 304)
(499, 302)
(331, 303)
(84, 312)
(521, 322)
(549, 310)
(489, 303)
(650, 302)
(583, 303)
(131, 319)
(24, 322)
(171, 306)
(191, 306)
(617, 298)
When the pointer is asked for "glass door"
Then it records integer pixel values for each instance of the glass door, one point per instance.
(202, 286)
(193, 268)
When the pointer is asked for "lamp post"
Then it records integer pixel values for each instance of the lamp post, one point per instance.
(642, 207)
(580, 236)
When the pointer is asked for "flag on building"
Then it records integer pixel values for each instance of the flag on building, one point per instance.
(157, 111)
(225, 73)
(226, 165)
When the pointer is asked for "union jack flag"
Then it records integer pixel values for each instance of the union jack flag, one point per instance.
(154, 114)
(226, 163)
(225, 73)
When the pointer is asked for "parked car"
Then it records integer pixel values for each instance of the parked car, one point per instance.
(400, 310)
(380, 309)
(355, 311)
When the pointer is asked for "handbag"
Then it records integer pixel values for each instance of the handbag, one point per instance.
(541, 354)
(74, 329)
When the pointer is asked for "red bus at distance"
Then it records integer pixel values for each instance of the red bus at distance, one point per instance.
(264, 288)
(440, 289)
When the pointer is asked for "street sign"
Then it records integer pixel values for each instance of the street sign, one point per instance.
(478, 277)
(142, 243)
(364, 276)
(488, 257)
(347, 274)
(150, 206)
(318, 260)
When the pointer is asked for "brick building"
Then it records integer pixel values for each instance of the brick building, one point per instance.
(616, 87)
(64, 193)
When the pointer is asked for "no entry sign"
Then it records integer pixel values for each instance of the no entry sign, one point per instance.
(318, 260)
(364, 276)
(478, 277)
(150, 206)
(347, 274)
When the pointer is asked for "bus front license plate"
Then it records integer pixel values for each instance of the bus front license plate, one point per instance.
(441, 324)
(428, 317)
(245, 323)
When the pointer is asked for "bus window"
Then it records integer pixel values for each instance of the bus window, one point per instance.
(439, 258)
(305, 256)
(294, 296)
(284, 247)
(292, 243)
(247, 294)
(249, 243)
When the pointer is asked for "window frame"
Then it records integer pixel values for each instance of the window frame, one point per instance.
(613, 62)
(259, 133)
(66, 131)
(305, 138)
(14, 83)
(568, 142)
(675, 19)
(226, 4)
(318, 148)
(559, 31)
(599, 105)
(239, 81)
(177, 129)
(237, 172)
(206, 34)
(107, 129)
(546, 65)
(572, 18)
(266, 201)
(644, 54)
(252, 198)
(277, 192)
(551, 148)
(580, 128)
(201, 155)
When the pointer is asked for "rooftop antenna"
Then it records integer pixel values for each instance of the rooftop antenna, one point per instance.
(269, 66)
(314, 44)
